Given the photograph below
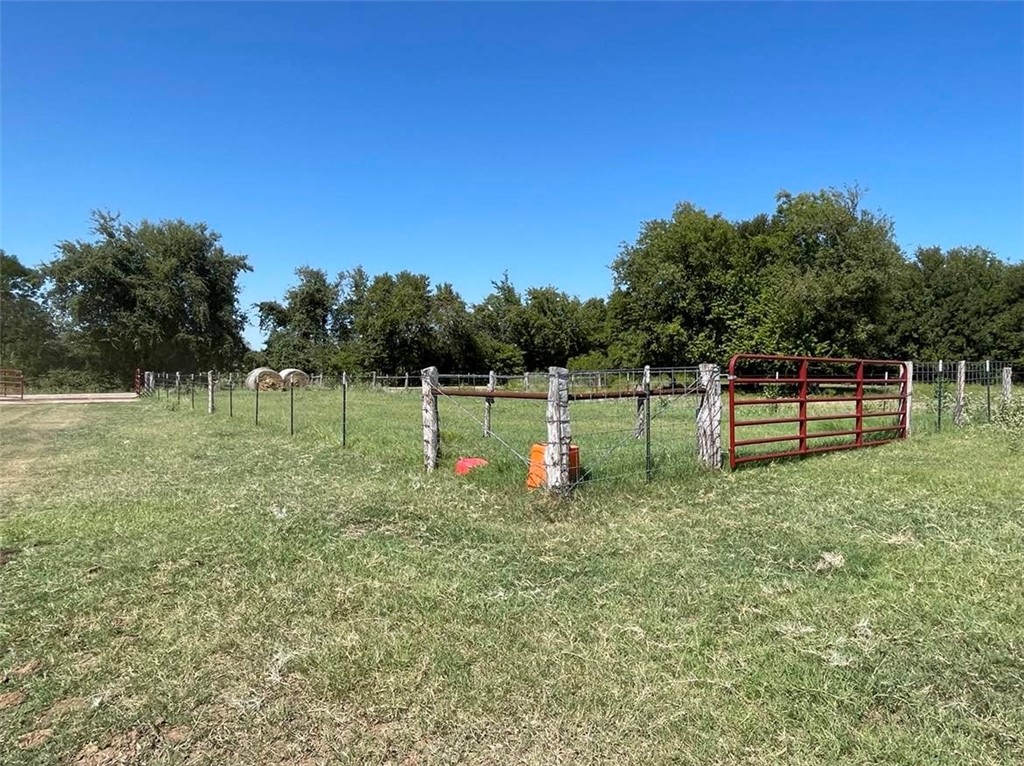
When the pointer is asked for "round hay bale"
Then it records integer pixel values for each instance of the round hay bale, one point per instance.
(266, 378)
(294, 378)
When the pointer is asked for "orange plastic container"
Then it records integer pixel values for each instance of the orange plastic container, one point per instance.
(538, 474)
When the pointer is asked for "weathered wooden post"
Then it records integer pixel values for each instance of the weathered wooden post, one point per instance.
(431, 420)
(209, 392)
(526, 381)
(908, 402)
(344, 409)
(988, 390)
(1007, 393)
(556, 452)
(640, 426)
(373, 380)
(709, 417)
(960, 404)
(492, 382)
(406, 380)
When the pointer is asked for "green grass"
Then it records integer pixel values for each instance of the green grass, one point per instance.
(182, 588)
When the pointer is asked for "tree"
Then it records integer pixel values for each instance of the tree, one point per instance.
(28, 338)
(675, 298)
(302, 329)
(393, 325)
(352, 285)
(494, 320)
(153, 295)
(819, 277)
(830, 271)
(454, 343)
(971, 306)
(549, 328)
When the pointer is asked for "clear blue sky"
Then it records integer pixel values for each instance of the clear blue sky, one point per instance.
(461, 140)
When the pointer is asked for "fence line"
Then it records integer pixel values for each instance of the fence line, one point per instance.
(639, 422)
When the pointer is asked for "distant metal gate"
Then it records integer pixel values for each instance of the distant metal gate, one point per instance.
(813, 393)
(12, 383)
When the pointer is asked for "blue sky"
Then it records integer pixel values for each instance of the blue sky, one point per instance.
(462, 140)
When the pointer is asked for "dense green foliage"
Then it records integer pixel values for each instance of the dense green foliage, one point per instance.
(152, 295)
(28, 340)
(818, 275)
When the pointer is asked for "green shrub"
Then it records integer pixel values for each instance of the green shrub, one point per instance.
(64, 381)
(1010, 419)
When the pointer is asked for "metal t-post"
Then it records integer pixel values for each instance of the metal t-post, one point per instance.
(647, 423)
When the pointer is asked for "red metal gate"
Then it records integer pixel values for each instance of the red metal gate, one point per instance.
(810, 388)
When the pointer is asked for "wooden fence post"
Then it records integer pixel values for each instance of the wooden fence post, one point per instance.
(373, 380)
(526, 381)
(209, 392)
(431, 420)
(908, 403)
(960, 404)
(492, 382)
(556, 452)
(640, 427)
(1007, 387)
(709, 417)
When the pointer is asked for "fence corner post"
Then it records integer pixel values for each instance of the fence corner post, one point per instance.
(492, 382)
(908, 400)
(431, 421)
(1007, 392)
(709, 417)
(556, 451)
(960, 403)
(209, 392)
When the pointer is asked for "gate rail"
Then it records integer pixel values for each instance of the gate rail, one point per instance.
(12, 383)
(803, 388)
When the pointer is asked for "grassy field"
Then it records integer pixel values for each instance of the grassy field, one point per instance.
(176, 588)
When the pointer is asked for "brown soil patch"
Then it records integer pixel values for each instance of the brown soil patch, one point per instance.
(177, 734)
(34, 738)
(11, 699)
(7, 555)
(130, 746)
(30, 433)
(122, 748)
(24, 671)
(61, 708)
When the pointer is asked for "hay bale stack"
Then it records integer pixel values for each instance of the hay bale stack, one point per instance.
(266, 378)
(294, 378)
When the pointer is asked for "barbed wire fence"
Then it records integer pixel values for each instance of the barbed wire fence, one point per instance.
(958, 393)
(637, 424)
(592, 427)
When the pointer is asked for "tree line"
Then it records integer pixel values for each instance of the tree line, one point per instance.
(818, 275)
